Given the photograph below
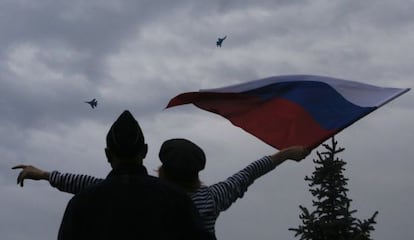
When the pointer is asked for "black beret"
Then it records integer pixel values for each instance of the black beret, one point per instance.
(182, 157)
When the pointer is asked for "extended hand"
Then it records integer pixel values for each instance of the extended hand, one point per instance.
(296, 153)
(30, 172)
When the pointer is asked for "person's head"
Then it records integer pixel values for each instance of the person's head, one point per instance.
(125, 144)
(181, 160)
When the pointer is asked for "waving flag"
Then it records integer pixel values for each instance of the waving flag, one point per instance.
(292, 110)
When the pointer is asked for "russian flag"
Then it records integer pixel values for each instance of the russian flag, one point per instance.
(292, 110)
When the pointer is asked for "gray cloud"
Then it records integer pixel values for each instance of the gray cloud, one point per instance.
(138, 54)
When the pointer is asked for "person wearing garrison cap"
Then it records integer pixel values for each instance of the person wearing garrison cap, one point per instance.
(130, 204)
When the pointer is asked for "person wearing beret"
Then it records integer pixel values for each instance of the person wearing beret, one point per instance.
(182, 160)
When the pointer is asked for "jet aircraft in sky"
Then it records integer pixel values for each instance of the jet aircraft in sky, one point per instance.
(93, 103)
(220, 41)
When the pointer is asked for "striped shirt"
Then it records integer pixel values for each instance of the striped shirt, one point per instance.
(209, 200)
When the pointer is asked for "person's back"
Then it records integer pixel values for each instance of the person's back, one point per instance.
(130, 204)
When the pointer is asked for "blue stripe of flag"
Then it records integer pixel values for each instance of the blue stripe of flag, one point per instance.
(328, 107)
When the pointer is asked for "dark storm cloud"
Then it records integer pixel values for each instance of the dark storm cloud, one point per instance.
(92, 29)
(71, 40)
(138, 54)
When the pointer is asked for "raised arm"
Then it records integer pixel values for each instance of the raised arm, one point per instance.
(67, 182)
(228, 191)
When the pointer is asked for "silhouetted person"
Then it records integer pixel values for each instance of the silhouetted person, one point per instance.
(182, 160)
(93, 103)
(220, 41)
(130, 204)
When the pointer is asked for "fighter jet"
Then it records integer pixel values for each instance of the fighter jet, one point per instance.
(93, 103)
(220, 41)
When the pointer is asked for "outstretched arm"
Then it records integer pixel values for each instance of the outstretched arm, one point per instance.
(67, 182)
(228, 191)
(72, 183)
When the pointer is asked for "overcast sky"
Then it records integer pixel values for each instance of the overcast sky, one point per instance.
(137, 55)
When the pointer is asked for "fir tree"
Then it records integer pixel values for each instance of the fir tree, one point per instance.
(332, 218)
